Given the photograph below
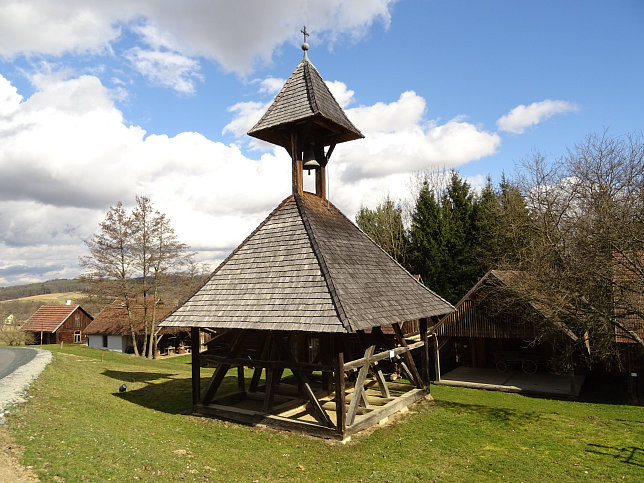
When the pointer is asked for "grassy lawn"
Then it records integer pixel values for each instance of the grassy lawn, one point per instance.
(78, 427)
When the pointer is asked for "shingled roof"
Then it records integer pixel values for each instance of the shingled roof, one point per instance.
(49, 318)
(307, 267)
(305, 98)
(113, 319)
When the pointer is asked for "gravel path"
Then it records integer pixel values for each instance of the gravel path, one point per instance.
(23, 365)
(19, 366)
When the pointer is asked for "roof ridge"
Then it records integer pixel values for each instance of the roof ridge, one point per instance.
(310, 91)
(342, 315)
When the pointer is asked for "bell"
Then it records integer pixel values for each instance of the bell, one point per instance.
(309, 160)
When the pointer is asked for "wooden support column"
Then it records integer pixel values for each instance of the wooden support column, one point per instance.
(195, 346)
(424, 355)
(326, 355)
(340, 399)
(437, 361)
(320, 182)
(296, 166)
(241, 382)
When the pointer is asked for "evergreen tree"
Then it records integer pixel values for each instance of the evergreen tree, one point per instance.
(426, 235)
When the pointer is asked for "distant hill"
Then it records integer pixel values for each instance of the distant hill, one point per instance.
(42, 288)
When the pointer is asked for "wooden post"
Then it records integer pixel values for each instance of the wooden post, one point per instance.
(340, 399)
(424, 355)
(241, 382)
(196, 368)
(437, 362)
(320, 182)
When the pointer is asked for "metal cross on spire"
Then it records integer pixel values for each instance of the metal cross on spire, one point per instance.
(305, 45)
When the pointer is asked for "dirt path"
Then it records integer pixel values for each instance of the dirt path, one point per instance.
(10, 469)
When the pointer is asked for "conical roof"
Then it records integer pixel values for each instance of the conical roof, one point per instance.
(307, 267)
(305, 101)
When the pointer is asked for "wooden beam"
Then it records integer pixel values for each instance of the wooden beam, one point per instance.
(359, 386)
(382, 355)
(340, 401)
(382, 383)
(382, 412)
(258, 369)
(222, 369)
(407, 356)
(424, 355)
(196, 364)
(437, 361)
(241, 382)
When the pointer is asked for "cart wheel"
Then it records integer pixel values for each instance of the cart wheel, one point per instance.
(529, 367)
(501, 366)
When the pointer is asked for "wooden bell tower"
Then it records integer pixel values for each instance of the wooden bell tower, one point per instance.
(308, 122)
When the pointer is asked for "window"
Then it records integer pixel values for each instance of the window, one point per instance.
(77, 322)
(104, 341)
(77, 337)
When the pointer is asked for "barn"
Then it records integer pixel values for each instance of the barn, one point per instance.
(53, 324)
(502, 336)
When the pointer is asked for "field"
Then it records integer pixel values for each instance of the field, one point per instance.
(52, 298)
(78, 427)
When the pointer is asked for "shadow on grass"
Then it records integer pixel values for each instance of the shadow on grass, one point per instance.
(127, 376)
(491, 413)
(630, 455)
(173, 396)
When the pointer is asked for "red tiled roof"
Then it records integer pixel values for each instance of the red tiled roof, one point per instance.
(49, 318)
(113, 319)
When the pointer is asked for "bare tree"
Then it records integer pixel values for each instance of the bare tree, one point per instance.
(587, 240)
(110, 266)
(131, 257)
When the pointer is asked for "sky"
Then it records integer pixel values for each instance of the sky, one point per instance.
(103, 101)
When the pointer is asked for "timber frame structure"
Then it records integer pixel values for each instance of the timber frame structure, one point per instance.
(323, 395)
(307, 300)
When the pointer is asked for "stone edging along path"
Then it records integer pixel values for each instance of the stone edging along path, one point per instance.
(14, 385)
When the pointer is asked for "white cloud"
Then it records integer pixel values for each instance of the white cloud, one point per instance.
(397, 140)
(66, 155)
(271, 85)
(522, 117)
(169, 69)
(203, 28)
(342, 94)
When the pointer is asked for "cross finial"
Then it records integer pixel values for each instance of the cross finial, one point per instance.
(305, 45)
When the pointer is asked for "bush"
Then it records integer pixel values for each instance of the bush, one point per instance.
(16, 337)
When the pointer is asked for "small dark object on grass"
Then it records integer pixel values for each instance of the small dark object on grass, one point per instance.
(122, 388)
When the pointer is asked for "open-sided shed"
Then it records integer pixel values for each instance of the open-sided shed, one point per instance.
(304, 298)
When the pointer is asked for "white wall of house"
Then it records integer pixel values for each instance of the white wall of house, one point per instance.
(117, 343)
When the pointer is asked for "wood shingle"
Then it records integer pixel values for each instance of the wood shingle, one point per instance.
(308, 268)
(305, 98)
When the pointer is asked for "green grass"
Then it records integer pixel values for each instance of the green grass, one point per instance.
(77, 426)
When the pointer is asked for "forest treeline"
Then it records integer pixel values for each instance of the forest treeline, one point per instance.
(574, 224)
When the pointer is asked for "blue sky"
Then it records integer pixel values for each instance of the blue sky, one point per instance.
(101, 102)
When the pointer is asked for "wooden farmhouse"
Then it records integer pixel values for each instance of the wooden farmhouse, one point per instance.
(111, 328)
(303, 301)
(53, 324)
